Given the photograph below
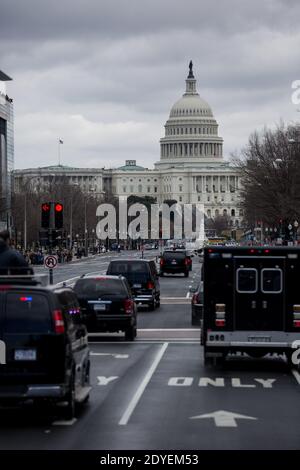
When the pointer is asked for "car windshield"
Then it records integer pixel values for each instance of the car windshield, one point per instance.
(99, 286)
(137, 271)
(27, 313)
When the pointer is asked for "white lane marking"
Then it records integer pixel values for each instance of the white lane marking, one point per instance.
(149, 341)
(168, 329)
(296, 375)
(62, 422)
(224, 419)
(116, 356)
(67, 281)
(172, 298)
(139, 392)
(188, 295)
(102, 380)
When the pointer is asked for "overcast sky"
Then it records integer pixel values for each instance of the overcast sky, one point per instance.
(103, 74)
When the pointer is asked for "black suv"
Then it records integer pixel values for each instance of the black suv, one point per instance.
(197, 304)
(107, 304)
(175, 262)
(47, 355)
(142, 277)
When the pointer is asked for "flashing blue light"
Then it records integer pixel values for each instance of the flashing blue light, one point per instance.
(26, 299)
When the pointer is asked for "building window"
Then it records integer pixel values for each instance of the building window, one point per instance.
(232, 213)
(124, 189)
(140, 189)
(180, 188)
(131, 189)
(155, 189)
(148, 189)
(199, 198)
(180, 199)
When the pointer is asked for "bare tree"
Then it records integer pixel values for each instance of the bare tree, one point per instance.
(270, 168)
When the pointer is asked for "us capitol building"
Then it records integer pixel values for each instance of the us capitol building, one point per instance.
(191, 168)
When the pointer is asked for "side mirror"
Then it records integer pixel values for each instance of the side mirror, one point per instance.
(193, 290)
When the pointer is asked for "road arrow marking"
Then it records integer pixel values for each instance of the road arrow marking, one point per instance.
(224, 419)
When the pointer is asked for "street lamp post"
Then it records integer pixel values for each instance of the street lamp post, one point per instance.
(296, 225)
(25, 221)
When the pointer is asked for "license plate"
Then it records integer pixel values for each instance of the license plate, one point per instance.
(25, 355)
(174, 262)
(259, 339)
(99, 307)
(137, 286)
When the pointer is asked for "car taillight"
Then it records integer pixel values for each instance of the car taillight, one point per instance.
(150, 285)
(161, 262)
(59, 325)
(296, 315)
(128, 306)
(195, 299)
(220, 315)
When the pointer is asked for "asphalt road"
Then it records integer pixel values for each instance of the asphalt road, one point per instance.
(156, 393)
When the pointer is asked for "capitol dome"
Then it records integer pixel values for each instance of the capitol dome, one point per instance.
(189, 106)
(191, 131)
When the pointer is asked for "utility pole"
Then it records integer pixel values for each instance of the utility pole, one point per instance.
(85, 227)
(25, 221)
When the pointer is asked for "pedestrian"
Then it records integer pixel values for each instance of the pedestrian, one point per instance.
(11, 261)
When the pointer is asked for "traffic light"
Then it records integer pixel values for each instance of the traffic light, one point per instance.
(58, 215)
(45, 215)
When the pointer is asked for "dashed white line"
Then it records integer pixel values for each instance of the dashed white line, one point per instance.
(139, 392)
(62, 422)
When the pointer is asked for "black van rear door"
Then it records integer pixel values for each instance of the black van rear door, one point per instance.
(259, 293)
(34, 353)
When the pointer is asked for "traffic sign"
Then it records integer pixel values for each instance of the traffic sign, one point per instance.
(50, 261)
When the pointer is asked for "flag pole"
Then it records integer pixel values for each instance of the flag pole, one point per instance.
(60, 142)
(58, 152)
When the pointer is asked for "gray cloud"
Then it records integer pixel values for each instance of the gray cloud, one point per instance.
(104, 74)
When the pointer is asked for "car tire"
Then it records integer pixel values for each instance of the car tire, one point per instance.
(130, 333)
(69, 409)
(186, 274)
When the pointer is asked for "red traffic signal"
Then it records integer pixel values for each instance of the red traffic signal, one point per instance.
(58, 215)
(58, 207)
(45, 214)
(46, 207)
